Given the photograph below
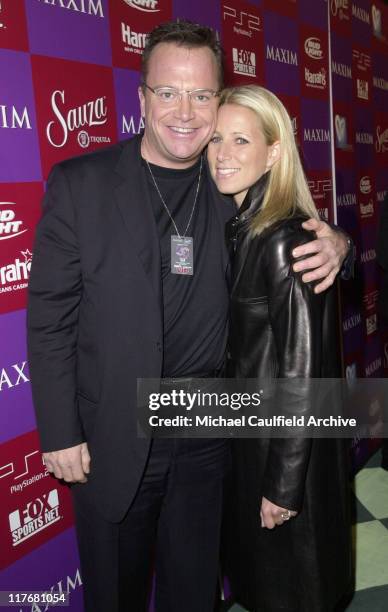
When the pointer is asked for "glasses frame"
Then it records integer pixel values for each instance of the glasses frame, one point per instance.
(180, 93)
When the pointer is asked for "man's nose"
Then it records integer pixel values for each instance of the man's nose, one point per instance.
(184, 107)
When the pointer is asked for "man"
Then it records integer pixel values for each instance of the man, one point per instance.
(110, 303)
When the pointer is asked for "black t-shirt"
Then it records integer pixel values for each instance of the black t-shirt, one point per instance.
(195, 307)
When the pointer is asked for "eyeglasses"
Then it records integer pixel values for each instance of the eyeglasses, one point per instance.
(170, 95)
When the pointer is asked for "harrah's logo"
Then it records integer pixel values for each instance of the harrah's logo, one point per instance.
(88, 7)
(38, 514)
(313, 48)
(10, 227)
(12, 118)
(381, 140)
(148, 6)
(15, 272)
(338, 7)
(135, 41)
(90, 114)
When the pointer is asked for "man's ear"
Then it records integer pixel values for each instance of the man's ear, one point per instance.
(141, 100)
(274, 153)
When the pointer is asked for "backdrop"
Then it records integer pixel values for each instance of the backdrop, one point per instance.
(68, 85)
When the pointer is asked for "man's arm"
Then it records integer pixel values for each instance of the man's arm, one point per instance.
(55, 291)
(328, 253)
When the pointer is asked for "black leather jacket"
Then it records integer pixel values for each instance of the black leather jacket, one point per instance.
(279, 329)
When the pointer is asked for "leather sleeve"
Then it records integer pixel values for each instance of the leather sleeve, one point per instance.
(55, 289)
(295, 314)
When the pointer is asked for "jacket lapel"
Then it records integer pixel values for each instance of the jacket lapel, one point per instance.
(135, 208)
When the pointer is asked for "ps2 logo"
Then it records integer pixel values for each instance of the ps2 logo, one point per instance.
(319, 188)
(252, 22)
(9, 469)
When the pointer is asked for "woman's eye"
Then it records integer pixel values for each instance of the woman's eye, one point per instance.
(241, 140)
(215, 139)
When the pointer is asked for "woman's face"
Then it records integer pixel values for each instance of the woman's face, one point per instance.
(238, 154)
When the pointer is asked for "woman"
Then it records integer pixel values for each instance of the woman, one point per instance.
(288, 540)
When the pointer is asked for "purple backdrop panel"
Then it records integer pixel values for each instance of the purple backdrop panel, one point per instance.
(341, 67)
(200, 12)
(129, 120)
(19, 153)
(313, 13)
(380, 81)
(281, 54)
(54, 565)
(16, 410)
(71, 30)
(361, 21)
(363, 140)
(316, 140)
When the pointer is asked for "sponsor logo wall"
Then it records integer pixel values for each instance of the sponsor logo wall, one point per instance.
(69, 75)
(360, 99)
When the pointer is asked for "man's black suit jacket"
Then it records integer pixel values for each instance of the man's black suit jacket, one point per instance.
(95, 315)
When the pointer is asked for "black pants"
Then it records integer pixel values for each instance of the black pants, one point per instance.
(173, 526)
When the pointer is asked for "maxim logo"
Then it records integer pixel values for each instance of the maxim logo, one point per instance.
(365, 185)
(244, 62)
(244, 23)
(338, 7)
(315, 79)
(373, 367)
(316, 135)
(341, 70)
(351, 322)
(15, 272)
(364, 138)
(371, 324)
(361, 14)
(91, 113)
(367, 256)
(346, 199)
(62, 587)
(380, 83)
(37, 515)
(10, 227)
(362, 89)
(89, 7)
(284, 56)
(135, 42)
(13, 376)
(129, 126)
(148, 6)
(313, 48)
(381, 144)
(366, 210)
(12, 118)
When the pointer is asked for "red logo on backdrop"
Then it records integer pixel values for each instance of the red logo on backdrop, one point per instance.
(321, 188)
(343, 135)
(340, 16)
(314, 64)
(381, 139)
(242, 32)
(13, 28)
(35, 507)
(130, 22)
(362, 75)
(289, 8)
(366, 191)
(72, 119)
(19, 214)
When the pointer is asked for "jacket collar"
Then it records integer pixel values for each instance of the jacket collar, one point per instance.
(254, 198)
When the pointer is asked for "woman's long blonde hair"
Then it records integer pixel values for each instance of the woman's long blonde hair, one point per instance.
(287, 191)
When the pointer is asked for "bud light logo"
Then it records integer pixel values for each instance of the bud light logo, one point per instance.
(37, 515)
(148, 6)
(313, 48)
(10, 226)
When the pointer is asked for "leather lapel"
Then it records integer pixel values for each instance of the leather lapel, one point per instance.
(136, 211)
